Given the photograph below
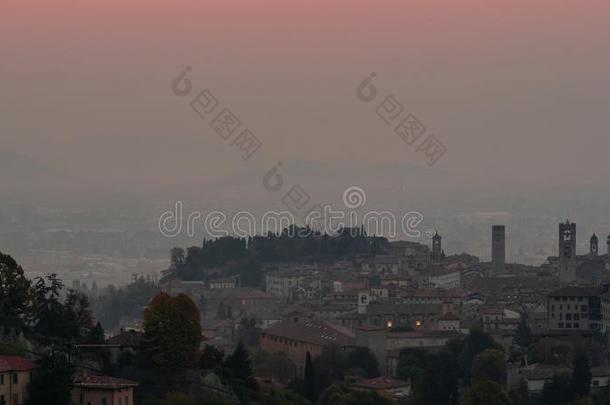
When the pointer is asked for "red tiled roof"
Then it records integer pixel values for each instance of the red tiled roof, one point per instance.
(315, 332)
(88, 380)
(127, 338)
(381, 383)
(16, 363)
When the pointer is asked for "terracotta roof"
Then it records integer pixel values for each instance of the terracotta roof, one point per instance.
(127, 338)
(88, 380)
(315, 332)
(16, 363)
(381, 383)
(600, 371)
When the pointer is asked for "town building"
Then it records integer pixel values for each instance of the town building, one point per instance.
(574, 308)
(15, 375)
(296, 339)
(90, 389)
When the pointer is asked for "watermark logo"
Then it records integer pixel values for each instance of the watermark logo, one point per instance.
(354, 197)
(406, 126)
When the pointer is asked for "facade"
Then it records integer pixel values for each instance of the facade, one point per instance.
(498, 249)
(15, 375)
(444, 278)
(574, 308)
(293, 283)
(223, 283)
(382, 264)
(89, 389)
(282, 283)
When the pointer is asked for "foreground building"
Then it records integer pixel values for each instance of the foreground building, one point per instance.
(296, 339)
(89, 389)
(15, 376)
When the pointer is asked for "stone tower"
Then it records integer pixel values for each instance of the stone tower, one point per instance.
(498, 249)
(437, 248)
(593, 246)
(567, 251)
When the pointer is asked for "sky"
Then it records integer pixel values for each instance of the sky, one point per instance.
(517, 91)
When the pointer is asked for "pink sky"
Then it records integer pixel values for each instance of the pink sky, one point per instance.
(515, 89)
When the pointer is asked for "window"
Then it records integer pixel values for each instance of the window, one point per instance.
(1, 379)
(560, 325)
(576, 317)
(595, 383)
(568, 326)
(577, 326)
(120, 401)
(568, 317)
(15, 378)
(104, 401)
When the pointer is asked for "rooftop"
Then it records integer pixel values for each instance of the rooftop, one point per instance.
(315, 332)
(88, 380)
(16, 363)
(381, 383)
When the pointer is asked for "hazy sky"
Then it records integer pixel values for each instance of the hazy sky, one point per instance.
(518, 91)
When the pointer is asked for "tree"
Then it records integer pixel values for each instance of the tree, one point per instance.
(330, 367)
(96, 334)
(49, 311)
(490, 365)
(558, 391)
(484, 393)
(211, 359)
(238, 371)
(239, 367)
(309, 382)
(362, 357)
(172, 332)
(438, 383)
(523, 336)
(247, 332)
(15, 294)
(581, 375)
(411, 363)
(50, 384)
(473, 344)
(520, 394)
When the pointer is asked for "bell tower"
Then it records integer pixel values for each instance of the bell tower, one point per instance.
(593, 246)
(437, 248)
(567, 251)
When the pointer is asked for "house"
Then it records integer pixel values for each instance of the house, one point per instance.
(574, 308)
(536, 375)
(15, 375)
(296, 339)
(90, 389)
